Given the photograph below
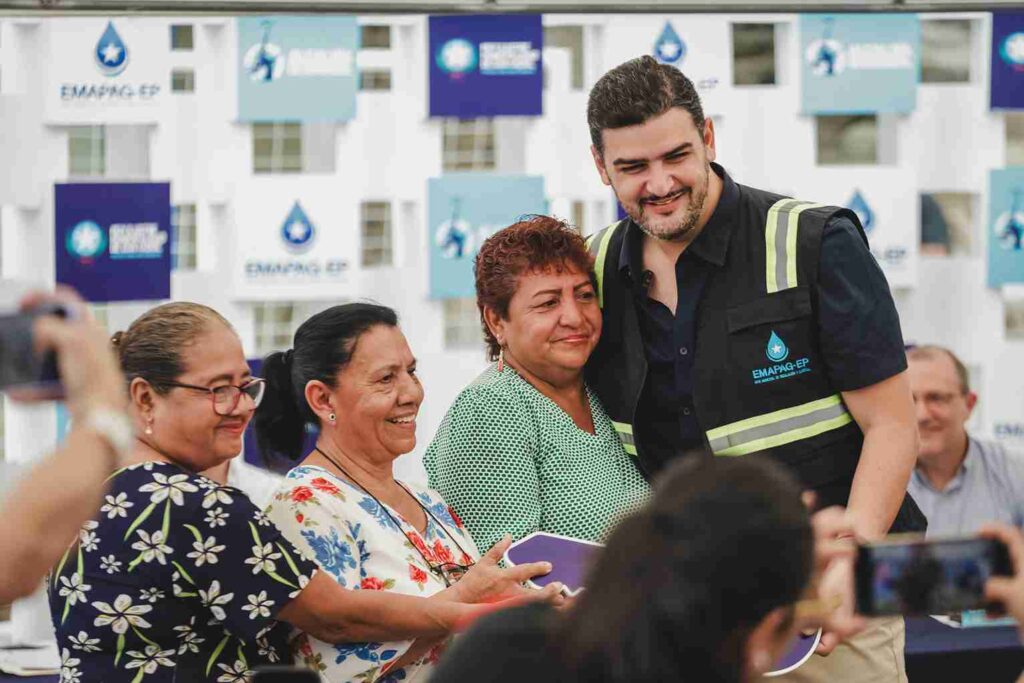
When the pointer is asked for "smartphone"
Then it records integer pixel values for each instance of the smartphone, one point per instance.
(23, 372)
(910, 575)
(284, 674)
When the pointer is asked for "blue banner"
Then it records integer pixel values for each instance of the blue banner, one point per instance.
(1006, 225)
(464, 210)
(297, 68)
(1007, 87)
(112, 240)
(860, 63)
(486, 65)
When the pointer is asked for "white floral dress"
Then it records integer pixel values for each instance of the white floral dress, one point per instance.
(357, 542)
(176, 579)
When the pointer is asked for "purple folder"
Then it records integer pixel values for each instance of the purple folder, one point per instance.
(569, 557)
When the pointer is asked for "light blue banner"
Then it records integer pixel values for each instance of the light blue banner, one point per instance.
(297, 68)
(859, 63)
(464, 210)
(1006, 226)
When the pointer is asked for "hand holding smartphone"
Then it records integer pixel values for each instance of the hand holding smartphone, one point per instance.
(909, 575)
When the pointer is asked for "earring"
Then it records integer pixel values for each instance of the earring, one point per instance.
(332, 417)
(501, 359)
(149, 425)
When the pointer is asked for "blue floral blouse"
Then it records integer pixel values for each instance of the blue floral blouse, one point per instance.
(177, 579)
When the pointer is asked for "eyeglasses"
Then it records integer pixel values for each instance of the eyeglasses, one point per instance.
(936, 399)
(449, 572)
(225, 398)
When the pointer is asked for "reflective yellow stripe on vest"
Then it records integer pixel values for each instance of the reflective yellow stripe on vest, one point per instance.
(601, 240)
(625, 432)
(781, 427)
(780, 232)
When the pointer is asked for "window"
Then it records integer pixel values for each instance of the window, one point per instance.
(87, 151)
(753, 54)
(1014, 318)
(846, 140)
(273, 324)
(183, 229)
(1014, 138)
(101, 314)
(468, 145)
(181, 37)
(462, 324)
(945, 51)
(947, 223)
(375, 79)
(376, 222)
(579, 211)
(375, 37)
(183, 80)
(570, 38)
(277, 147)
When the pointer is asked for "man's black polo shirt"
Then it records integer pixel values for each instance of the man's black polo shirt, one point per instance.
(858, 327)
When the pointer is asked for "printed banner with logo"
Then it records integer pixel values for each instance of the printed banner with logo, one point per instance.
(690, 42)
(879, 198)
(297, 68)
(106, 70)
(293, 241)
(113, 240)
(464, 210)
(486, 65)
(1007, 86)
(859, 63)
(1006, 226)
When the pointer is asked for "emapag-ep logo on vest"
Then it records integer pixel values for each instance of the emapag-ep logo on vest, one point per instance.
(781, 368)
(266, 61)
(87, 241)
(829, 57)
(111, 55)
(459, 56)
(297, 236)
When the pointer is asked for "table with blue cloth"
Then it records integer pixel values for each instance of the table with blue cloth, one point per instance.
(934, 651)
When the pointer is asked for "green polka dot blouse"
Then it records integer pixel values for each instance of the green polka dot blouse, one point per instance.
(509, 460)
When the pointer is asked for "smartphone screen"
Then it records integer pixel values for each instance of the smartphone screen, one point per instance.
(21, 368)
(941, 576)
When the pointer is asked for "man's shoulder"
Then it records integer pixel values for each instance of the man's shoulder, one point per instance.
(998, 454)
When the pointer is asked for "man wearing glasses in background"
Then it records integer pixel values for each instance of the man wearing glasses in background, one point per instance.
(960, 482)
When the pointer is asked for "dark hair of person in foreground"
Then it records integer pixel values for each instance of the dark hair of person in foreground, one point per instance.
(675, 595)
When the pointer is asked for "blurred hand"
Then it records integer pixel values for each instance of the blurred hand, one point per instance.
(88, 368)
(834, 553)
(487, 582)
(1008, 591)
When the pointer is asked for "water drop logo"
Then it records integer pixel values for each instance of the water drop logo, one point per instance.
(669, 48)
(297, 231)
(86, 241)
(457, 56)
(1012, 50)
(777, 351)
(859, 206)
(111, 53)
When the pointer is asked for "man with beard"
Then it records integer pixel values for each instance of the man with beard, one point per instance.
(748, 323)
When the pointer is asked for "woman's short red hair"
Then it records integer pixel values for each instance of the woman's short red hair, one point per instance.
(534, 244)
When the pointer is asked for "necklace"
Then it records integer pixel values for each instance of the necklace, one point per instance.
(449, 572)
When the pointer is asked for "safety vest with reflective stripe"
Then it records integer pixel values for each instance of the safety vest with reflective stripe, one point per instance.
(746, 402)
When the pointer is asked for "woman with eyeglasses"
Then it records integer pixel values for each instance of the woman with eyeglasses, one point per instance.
(352, 375)
(178, 578)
